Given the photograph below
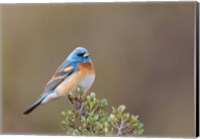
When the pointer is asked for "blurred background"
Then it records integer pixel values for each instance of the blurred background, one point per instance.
(143, 54)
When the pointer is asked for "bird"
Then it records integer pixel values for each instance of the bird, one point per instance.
(76, 71)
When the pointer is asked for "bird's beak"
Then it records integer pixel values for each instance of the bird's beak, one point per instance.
(86, 55)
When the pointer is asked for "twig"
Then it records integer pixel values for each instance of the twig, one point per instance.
(119, 133)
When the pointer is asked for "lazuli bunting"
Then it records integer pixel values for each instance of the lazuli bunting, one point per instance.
(76, 71)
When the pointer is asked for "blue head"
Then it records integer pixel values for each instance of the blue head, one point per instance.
(78, 55)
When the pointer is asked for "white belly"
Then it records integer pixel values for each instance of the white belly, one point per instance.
(86, 83)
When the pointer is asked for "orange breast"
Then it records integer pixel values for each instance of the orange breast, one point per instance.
(87, 68)
(72, 82)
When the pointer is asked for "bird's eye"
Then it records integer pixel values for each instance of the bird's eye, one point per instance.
(80, 54)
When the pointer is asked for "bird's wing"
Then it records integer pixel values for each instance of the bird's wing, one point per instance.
(61, 73)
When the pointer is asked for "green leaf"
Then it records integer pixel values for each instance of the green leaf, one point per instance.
(121, 108)
(63, 113)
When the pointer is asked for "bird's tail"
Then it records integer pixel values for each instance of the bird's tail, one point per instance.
(32, 107)
(41, 100)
